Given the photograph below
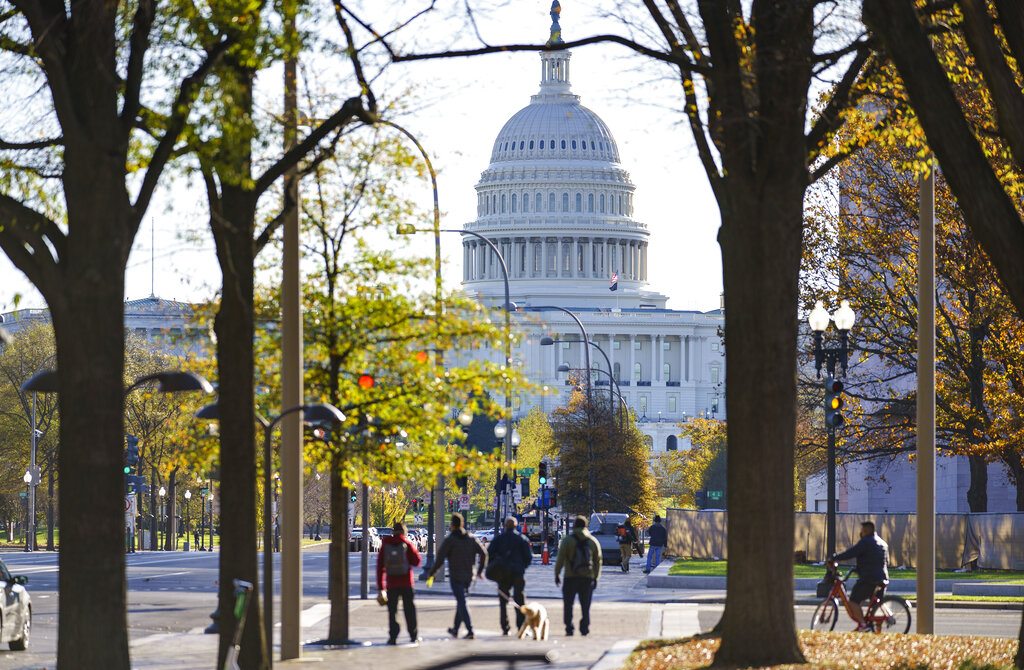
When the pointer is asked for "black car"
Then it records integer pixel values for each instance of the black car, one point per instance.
(16, 610)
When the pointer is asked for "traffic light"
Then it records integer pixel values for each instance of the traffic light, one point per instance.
(352, 496)
(552, 498)
(700, 499)
(415, 504)
(462, 482)
(542, 473)
(833, 403)
(451, 505)
(366, 382)
(131, 453)
(524, 483)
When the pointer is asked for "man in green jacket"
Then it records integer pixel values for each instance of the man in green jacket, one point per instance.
(580, 555)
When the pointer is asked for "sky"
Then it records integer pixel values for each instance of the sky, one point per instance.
(463, 104)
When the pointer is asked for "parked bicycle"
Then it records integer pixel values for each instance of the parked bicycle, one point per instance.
(888, 614)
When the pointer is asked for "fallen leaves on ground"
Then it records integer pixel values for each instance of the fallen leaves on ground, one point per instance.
(858, 651)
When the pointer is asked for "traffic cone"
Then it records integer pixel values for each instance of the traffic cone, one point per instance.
(544, 559)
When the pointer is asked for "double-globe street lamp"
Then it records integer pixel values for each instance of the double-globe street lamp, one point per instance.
(167, 381)
(829, 356)
(320, 413)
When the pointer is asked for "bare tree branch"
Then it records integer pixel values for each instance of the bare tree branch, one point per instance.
(138, 44)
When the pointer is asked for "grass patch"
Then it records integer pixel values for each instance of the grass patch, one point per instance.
(829, 650)
(700, 568)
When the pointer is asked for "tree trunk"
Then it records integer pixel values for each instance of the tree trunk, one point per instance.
(1015, 464)
(977, 494)
(761, 205)
(92, 632)
(337, 572)
(235, 328)
(170, 520)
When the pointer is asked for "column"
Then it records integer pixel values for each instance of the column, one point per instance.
(559, 257)
(544, 257)
(632, 358)
(656, 357)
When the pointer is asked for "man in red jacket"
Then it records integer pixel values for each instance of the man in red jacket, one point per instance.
(395, 562)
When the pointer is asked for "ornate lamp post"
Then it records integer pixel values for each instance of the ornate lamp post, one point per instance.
(29, 525)
(829, 356)
(188, 519)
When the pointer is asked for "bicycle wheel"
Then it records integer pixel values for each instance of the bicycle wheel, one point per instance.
(826, 615)
(899, 619)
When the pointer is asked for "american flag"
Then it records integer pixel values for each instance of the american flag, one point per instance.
(614, 286)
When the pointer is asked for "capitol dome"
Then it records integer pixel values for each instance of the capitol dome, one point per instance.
(558, 204)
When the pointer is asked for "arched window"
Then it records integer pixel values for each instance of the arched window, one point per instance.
(579, 202)
(584, 145)
(551, 202)
(538, 203)
(506, 146)
(574, 144)
(643, 405)
(636, 372)
(666, 371)
(503, 203)
(522, 145)
(649, 442)
(542, 144)
(531, 145)
(602, 203)
(494, 204)
(671, 443)
(563, 144)
(590, 202)
(526, 202)
(552, 144)
(513, 203)
(617, 371)
(592, 145)
(620, 205)
(565, 202)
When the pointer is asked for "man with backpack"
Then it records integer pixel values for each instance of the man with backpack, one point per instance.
(395, 562)
(508, 556)
(461, 549)
(580, 555)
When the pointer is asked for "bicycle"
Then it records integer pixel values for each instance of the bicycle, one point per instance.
(889, 614)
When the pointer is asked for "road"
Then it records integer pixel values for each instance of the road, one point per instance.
(175, 592)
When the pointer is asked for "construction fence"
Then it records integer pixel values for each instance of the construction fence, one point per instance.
(995, 540)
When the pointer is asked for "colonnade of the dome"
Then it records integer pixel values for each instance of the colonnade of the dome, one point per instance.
(516, 201)
(561, 257)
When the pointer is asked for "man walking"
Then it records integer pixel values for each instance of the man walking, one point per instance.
(395, 562)
(580, 555)
(460, 548)
(659, 540)
(508, 556)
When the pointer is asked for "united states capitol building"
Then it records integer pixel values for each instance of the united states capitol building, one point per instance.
(557, 201)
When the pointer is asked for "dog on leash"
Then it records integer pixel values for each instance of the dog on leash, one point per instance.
(536, 621)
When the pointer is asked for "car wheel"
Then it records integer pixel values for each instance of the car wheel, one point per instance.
(21, 644)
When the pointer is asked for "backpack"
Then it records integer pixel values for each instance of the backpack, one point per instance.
(580, 562)
(395, 560)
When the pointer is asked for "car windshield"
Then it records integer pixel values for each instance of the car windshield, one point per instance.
(606, 523)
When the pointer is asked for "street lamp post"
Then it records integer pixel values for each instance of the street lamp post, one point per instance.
(311, 414)
(275, 514)
(28, 519)
(188, 520)
(829, 356)
(612, 393)
(161, 523)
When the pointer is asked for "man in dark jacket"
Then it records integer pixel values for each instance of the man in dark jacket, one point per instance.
(461, 549)
(580, 575)
(511, 554)
(659, 539)
(872, 554)
(394, 575)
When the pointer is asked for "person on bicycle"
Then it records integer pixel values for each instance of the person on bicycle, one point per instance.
(872, 554)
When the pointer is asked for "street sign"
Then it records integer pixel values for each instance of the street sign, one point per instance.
(464, 501)
(517, 495)
(526, 471)
(714, 495)
(417, 518)
(426, 497)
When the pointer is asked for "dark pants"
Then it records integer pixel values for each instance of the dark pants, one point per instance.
(459, 589)
(405, 593)
(572, 587)
(513, 585)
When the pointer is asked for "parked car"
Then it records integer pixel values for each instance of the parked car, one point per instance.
(15, 610)
(485, 535)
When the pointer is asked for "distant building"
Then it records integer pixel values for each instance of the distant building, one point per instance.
(558, 204)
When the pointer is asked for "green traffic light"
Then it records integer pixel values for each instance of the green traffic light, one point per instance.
(127, 470)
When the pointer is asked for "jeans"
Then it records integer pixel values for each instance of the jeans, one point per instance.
(572, 587)
(405, 593)
(513, 585)
(653, 555)
(459, 590)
